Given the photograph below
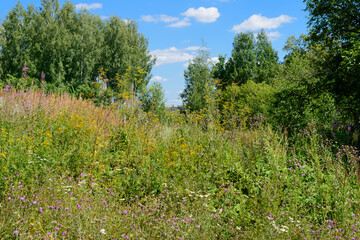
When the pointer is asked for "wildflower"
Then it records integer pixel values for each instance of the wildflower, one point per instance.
(40, 209)
(102, 231)
(42, 76)
(16, 232)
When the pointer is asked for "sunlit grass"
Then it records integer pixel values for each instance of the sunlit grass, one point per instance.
(71, 170)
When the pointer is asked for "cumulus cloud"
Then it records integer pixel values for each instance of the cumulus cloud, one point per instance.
(257, 22)
(195, 48)
(159, 18)
(273, 35)
(158, 79)
(204, 15)
(174, 55)
(88, 6)
(182, 23)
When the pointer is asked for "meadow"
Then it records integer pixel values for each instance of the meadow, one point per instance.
(73, 170)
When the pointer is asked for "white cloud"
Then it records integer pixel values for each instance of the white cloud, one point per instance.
(88, 6)
(148, 18)
(182, 23)
(168, 19)
(256, 22)
(194, 48)
(204, 15)
(273, 35)
(174, 55)
(158, 79)
(159, 18)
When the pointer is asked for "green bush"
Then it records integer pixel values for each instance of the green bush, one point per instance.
(248, 100)
(300, 97)
(153, 99)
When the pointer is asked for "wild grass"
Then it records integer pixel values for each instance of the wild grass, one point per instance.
(71, 170)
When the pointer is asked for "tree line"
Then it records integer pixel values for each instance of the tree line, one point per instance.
(69, 47)
(317, 83)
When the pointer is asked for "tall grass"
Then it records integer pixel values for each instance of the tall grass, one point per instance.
(71, 170)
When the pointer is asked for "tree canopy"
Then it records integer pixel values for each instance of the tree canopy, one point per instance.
(70, 46)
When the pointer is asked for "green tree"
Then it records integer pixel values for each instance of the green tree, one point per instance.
(266, 59)
(198, 82)
(336, 25)
(251, 59)
(153, 99)
(71, 46)
(13, 42)
(221, 72)
(2, 40)
(239, 103)
(242, 65)
(333, 20)
(302, 94)
(124, 47)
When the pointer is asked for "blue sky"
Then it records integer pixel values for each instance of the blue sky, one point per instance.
(176, 29)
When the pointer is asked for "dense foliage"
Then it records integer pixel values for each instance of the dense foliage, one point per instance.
(336, 26)
(70, 46)
(317, 83)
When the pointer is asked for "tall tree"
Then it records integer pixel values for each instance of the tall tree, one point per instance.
(335, 20)
(198, 81)
(266, 59)
(336, 25)
(243, 58)
(13, 44)
(251, 59)
(71, 46)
